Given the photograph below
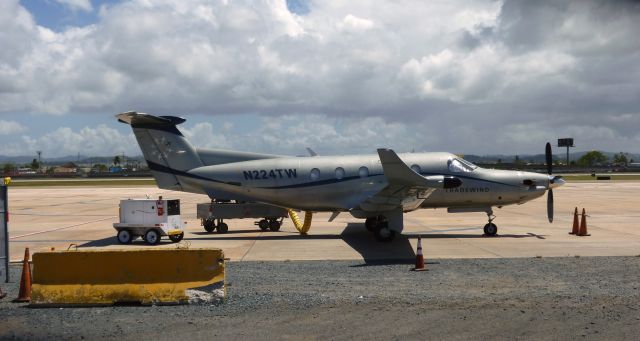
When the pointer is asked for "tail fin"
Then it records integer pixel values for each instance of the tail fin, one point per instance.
(165, 149)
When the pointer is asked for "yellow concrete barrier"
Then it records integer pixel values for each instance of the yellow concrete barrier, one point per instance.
(105, 277)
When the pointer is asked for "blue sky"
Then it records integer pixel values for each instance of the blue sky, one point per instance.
(477, 77)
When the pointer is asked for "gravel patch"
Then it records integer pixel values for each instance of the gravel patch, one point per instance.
(537, 298)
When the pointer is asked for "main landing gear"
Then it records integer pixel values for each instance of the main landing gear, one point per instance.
(490, 229)
(272, 224)
(379, 226)
(212, 224)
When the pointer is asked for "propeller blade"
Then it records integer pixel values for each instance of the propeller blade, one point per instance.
(550, 205)
(549, 158)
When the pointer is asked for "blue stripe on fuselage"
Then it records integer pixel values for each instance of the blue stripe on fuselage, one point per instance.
(164, 169)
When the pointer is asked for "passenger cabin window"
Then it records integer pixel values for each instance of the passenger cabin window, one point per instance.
(315, 174)
(363, 172)
(416, 168)
(461, 166)
(339, 173)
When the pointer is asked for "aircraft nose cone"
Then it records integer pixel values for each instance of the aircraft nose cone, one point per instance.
(451, 182)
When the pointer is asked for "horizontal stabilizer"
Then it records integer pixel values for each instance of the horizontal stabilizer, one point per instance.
(141, 120)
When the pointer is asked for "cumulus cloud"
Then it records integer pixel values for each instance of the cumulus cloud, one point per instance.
(11, 128)
(472, 67)
(83, 5)
(65, 141)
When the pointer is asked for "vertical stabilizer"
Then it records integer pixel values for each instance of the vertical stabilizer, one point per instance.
(167, 152)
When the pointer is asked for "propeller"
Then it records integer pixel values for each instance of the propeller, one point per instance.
(549, 160)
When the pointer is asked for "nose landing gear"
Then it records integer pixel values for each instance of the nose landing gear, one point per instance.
(490, 229)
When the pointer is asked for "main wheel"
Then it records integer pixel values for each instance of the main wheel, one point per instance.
(223, 228)
(263, 224)
(274, 225)
(209, 225)
(490, 229)
(370, 223)
(152, 237)
(384, 234)
(176, 237)
(124, 236)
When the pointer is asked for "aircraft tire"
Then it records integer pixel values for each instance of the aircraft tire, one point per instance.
(223, 228)
(490, 229)
(274, 225)
(370, 223)
(384, 234)
(209, 225)
(263, 224)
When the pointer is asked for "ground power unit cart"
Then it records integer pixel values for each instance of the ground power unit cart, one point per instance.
(150, 219)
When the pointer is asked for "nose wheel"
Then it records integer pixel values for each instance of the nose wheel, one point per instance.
(490, 229)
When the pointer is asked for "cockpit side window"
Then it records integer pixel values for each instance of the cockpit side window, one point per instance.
(457, 166)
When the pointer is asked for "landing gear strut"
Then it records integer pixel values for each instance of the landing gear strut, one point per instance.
(379, 226)
(490, 229)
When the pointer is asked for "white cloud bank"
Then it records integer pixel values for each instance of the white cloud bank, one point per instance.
(454, 74)
(11, 128)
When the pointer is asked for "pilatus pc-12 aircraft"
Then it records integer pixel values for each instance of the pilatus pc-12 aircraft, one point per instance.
(376, 187)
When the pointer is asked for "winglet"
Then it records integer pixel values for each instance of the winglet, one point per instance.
(398, 173)
(311, 152)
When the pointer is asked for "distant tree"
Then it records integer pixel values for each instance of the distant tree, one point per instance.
(8, 168)
(499, 161)
(100, 167)
(35, 165)
(592, 158)
(116, 160)
(620, 159)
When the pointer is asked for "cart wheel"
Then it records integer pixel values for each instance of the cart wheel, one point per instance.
(209, 225)
(152, 237)
(223, 228)
(124, 237)
(176, 237)
(274, 225)
(263, 224)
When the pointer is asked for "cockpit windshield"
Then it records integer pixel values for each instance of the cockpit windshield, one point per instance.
(461, 166)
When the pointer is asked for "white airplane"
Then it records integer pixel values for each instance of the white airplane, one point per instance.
(378, 187)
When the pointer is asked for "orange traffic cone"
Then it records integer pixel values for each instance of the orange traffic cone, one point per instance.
(419, 257)
(576, 227)
(25, 281)
(583, 225)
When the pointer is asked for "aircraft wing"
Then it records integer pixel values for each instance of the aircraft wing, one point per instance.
(406, 189)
